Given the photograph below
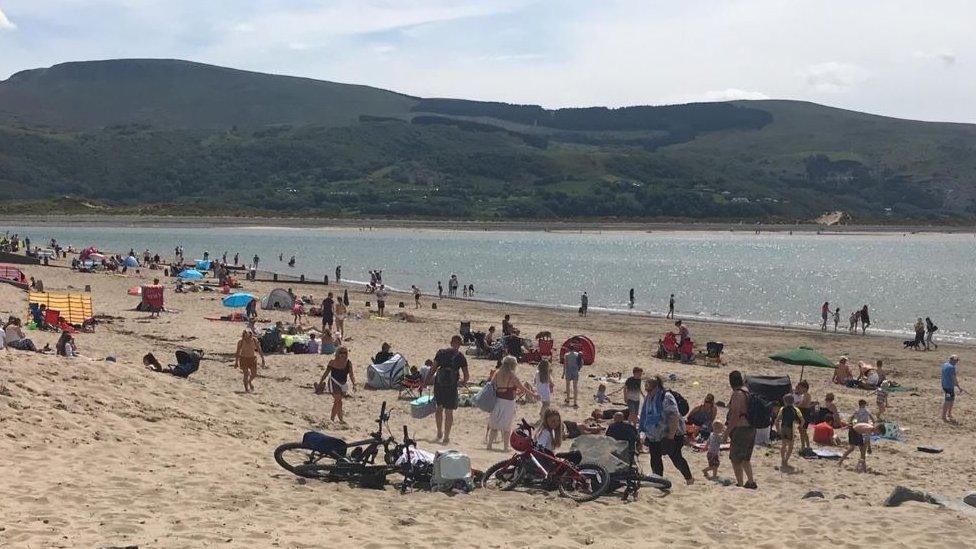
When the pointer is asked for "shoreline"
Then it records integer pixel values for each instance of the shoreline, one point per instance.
(78, 220)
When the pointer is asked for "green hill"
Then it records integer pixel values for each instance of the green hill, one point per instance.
(194, 137)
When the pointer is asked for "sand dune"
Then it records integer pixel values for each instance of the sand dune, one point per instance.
(97, 453)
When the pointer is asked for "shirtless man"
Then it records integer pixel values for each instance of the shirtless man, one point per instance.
(858, 436)
(842, 373)
(245, 359)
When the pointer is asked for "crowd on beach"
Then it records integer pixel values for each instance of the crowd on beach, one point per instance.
(651, 416)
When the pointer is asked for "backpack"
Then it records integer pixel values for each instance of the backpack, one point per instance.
(450, 467)
(682, 402)
(758, 411)
(485, 399)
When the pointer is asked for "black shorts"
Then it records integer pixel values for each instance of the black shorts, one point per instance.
(446, 396)
(381, 304)
(854, 438)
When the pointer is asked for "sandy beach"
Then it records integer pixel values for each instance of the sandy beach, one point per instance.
(98, 453)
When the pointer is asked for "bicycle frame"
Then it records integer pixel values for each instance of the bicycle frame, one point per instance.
(562, 466)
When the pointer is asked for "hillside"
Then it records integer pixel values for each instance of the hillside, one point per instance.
(130, 133)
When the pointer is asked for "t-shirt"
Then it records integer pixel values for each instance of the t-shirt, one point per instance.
(381, 295)
(714, 443)
(545, 440)
(948, 375)
(862, 415)
(313, 346)
(632, 389)
(574, 361)
(14, 333)
(656, 413)
(624, 431)
(327, 307)
(449, 365)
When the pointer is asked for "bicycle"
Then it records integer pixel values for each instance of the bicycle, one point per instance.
(320, 456)
(534, 466)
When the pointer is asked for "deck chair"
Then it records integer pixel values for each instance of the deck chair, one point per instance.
(545, 347)
(52, 320)
(409, 387)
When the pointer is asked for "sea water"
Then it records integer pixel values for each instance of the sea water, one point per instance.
(771, 278)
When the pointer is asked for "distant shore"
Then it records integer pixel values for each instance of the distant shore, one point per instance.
(464, 225)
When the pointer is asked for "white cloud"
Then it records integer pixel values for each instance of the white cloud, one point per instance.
(947, 58)
(833, 77)
(5, 23)
(733, 94)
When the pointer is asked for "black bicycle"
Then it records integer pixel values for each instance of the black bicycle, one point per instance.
(320, 456)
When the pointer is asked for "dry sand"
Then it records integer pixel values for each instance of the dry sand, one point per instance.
(97, 454)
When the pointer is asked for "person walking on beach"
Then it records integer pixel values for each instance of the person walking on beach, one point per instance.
(338, 273)
(450, 369)
(930, 329)
(663, 428)
(855, 319)
(340, 316)
(584, 303)
(381, 295)
(738, 430)
(416, 297)
(336, 379)
(245, 358)
(507, 386)
(631, 298)
(571, 371)
(440, 290)
(328, 311)
(919, 334)
(865, 319)
(824, 313)
(950, 382)
(237, 258)
(836, 319)
(670, 307)
(256, 260)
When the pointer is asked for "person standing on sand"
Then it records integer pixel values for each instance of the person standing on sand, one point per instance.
(950, 382)
(450, 369)
(440, 290)
(256, 261)
(245, 358)
(416, 297)
(855, 319)
(930, 329)
(584, 303)
(328, 311)
(507, 386)
(738, 430)
(340, 316)
(824, 313)
(338, 273)
(670, 307)
(663, 428)
(836, 319)
(237, 258)
(381, 295)
(336, 379)
(631, 298)
(573, 363)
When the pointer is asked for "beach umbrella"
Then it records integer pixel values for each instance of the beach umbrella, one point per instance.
(191, 274)
(803, 357)
(238, 300)
(131, 262)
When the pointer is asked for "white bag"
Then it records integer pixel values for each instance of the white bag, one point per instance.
(450, 467)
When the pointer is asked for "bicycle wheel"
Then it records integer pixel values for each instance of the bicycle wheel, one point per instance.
(592, 482)
(655, 481)
(295, 458)
(503, 476)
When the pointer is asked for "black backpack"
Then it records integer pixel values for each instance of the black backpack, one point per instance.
(758, 411)
(683, 407)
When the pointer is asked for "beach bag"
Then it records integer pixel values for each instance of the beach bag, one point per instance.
(823, 433)
(422, 407)
(450, 467)
(485, 399)
(299, 348)
(758, 411)
(682, 402)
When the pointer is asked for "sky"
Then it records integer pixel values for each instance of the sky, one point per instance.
(911, 59)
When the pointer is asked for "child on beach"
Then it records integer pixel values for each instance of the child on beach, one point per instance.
(297, 312)
(543, 385)
(632, 393)
(881, 398)
(601, 394)
(788, 422)
(836, 318)
(714, 446)
(863, 415)
(858, 436)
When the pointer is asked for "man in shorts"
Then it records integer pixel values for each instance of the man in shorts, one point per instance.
(738, 430)
(571, 370)
(950, 382)
(381, 295)
(450, 368)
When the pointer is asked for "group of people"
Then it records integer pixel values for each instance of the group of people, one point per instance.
(859, 317)
(467, 290)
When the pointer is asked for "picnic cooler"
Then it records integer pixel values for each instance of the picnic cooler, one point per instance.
(422, 407)
(450, 467)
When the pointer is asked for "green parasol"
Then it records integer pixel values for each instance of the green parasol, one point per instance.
(803, 357)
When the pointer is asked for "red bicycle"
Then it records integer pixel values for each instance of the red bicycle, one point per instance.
(535, 467)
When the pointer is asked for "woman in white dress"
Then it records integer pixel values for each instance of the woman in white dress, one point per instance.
(507, 387)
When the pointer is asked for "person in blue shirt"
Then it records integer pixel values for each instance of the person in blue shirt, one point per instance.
(950, 382)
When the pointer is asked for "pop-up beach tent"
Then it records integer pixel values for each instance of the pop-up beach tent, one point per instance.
(386, 375)
(278, 299)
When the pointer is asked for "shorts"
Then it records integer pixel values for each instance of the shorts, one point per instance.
(381, 304)
(854, 438)
(713, 460)
(950, 393)
(572, 374)
(743, 440)
(446, 396)
(327, 320)
(633, 407)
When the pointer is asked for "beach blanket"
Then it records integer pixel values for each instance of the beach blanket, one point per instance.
(75, 308)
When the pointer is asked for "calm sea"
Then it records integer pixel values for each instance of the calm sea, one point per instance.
(776, 279)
